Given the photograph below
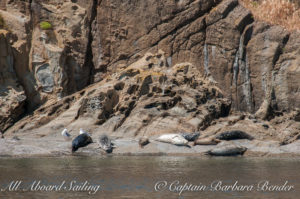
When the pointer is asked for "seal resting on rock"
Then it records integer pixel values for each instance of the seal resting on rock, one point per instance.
(81, 140)
(190, 136)
(105, 143)
(207, 141)
(143, 141)
(227, 150)
(175, 139)
(234, 135)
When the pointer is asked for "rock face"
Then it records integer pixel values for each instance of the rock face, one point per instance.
(254, 64)
(12, 95)
(146, 98)
(50, 63)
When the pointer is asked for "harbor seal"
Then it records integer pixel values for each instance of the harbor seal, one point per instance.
(66, 134)
(81, 140)
(16, 138)
(175, 139)
(207, 141)
(234, 135)
(143, 141)
(227, 150)
(190, 136)
(105, 143)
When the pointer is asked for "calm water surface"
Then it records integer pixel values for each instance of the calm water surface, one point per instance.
(136, 177)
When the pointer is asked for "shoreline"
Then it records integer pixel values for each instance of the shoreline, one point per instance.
(27, 148)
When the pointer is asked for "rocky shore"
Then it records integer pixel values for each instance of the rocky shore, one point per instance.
(150, 98)
(128, 70)
(31, 147)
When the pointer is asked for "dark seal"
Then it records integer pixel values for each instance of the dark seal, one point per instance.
(234, 135)
(227, 150)
(81, 140)
(105, 143)
(143, 141)
(191, 137)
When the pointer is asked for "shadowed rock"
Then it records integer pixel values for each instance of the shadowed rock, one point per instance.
(206, 141)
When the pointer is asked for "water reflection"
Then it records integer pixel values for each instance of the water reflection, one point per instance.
(135, 177)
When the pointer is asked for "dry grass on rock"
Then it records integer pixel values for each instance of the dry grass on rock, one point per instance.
(281, 12)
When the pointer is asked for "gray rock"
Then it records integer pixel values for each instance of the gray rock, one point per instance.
(45, 77)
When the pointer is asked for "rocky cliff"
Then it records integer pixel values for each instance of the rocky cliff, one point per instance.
(228, 60)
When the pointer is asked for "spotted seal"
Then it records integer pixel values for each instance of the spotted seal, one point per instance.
(190, 136)
(105, 143)
(227, 150)
(81, 140)
(234, 135)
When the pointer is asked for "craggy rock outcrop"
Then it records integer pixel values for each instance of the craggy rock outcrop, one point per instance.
(251, 61)
(254, 64)
(55, 62)
(150, 98)
(147, 97)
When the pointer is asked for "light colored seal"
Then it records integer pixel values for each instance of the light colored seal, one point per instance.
(175, 139)
(207, 141)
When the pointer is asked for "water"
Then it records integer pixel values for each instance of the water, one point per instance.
(136, 176)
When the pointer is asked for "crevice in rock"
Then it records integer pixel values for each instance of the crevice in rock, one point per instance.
(241, 64)
(273, 107)
(88, 62)
(279, 50)
(29, 106)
